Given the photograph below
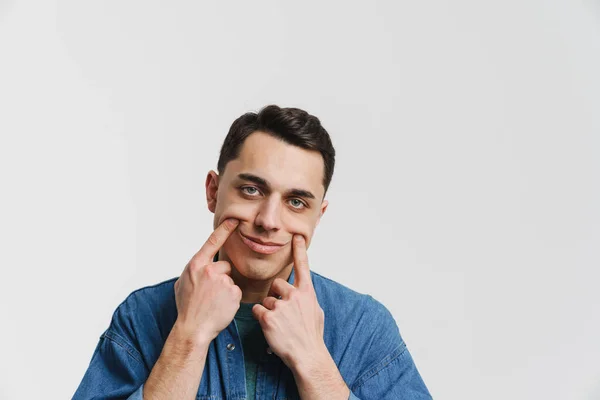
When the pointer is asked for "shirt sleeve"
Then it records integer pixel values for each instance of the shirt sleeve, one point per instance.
(115, 371)
(394, 378)
(394, 375)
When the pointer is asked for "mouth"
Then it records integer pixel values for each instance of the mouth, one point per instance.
(259, 246)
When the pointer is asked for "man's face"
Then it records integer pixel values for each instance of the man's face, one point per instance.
(275, 190)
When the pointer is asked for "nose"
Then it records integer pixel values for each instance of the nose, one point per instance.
(269, 214)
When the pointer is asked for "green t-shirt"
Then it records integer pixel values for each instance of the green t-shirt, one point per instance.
(253, 343)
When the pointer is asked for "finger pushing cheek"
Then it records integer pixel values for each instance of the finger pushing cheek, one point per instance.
(301, 235)
(231, 214)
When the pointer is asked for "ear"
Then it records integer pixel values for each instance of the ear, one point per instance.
(324, 205)
(212, 186)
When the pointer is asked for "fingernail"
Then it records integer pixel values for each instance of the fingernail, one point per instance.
(232, 222)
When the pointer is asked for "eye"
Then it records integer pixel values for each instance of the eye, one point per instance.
(249, 190)
(298, 204)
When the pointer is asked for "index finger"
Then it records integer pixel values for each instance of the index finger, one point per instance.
(215, 241)
(301, 267)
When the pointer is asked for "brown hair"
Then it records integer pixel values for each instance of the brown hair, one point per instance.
(292, 125)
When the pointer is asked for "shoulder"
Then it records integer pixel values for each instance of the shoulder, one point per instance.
(360, 332)
(326, 287)
(148, 299)
(330, 290)
(354, 309)
(144, 319)
(154, 294)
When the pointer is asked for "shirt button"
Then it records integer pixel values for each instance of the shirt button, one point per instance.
(269, 351)
(230, 346)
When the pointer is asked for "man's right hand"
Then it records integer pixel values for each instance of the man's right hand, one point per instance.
(207, 300)
(206, 296)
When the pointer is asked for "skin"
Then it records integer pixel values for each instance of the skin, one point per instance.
(271, 214)
(207, 300)
(208, 293)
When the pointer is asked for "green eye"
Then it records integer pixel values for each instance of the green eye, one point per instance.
(250, 190)
(296, 203)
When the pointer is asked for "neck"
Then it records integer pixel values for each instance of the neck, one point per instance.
(254, 290)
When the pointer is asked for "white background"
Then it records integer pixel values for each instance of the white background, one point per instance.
(465, 198)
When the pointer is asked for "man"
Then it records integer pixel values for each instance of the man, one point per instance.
(247, 318)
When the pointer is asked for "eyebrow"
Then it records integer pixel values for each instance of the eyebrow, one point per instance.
(263, 182)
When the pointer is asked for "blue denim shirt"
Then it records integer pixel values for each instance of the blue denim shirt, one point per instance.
(360, 334)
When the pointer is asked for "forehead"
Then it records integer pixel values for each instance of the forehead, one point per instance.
(283, 165)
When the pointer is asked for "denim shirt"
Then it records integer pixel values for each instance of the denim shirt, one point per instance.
(360, 334)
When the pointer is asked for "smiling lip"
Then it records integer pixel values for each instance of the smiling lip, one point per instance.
(259, 246)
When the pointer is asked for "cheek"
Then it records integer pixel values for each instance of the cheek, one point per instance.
(294, 223)
(301, 226)
(242, 211)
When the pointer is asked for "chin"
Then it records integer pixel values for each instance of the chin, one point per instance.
(254, 265)
(258, 270)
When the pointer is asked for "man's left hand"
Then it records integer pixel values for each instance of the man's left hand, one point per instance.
(293, 325)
